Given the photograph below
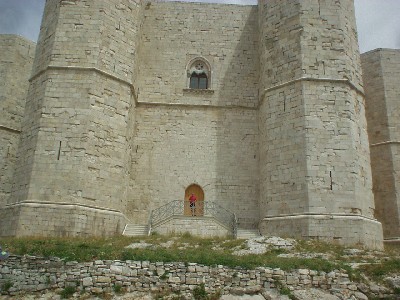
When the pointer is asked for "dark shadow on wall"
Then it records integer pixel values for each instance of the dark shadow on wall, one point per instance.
(237, 136)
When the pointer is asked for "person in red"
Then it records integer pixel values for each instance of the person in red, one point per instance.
(192, 201)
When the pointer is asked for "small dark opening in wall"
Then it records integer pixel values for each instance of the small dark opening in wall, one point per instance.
(284, 104)
(59, 152)
(330, 175)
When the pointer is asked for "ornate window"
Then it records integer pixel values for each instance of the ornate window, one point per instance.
(199, 74)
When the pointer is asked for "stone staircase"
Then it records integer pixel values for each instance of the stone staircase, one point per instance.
(135, 230)
(246, 234)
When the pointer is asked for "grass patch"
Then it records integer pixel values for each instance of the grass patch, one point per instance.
(230, 244)
(190, 249)
(117, 288)
(396, 291)
(315, 246)
(199, 292)
(168, 294)
(384, 268)
(67, 292)
(70, 249)
(197, 250)
(5, 286)
(164, 276)
(283, 290)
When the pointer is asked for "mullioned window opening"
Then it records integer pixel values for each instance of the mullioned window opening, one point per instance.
(199, 74)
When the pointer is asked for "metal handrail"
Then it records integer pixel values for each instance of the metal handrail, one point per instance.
(149, 224)
(235, 226)
(202, 208)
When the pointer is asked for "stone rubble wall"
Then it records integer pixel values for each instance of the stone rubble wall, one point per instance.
(34, 274)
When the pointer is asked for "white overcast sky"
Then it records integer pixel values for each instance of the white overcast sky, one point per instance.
(378, 21)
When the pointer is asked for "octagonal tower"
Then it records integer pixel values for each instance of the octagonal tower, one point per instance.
(72, 176)
(314, 155)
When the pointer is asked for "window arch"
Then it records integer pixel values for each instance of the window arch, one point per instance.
(199, 74)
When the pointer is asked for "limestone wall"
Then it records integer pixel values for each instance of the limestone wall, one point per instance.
(74, 142)
(15, 68)
(225, 35)
(381, 81)
(99, 30)
(313, 140)
(337, 150)
(174, 147)
(77, 114)
(183, 136)
(197, 226)
(47, 36)
(279, 135)
(329, 40)
(282, 158)
(280, 30)
(31, 218)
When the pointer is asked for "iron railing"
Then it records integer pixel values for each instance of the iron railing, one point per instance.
(200, 209)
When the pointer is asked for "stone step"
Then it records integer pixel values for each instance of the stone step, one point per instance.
(246, 234)
(135, 230)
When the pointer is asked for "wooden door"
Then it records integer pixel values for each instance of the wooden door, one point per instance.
(199, 208)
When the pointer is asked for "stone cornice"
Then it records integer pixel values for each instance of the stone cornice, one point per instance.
(193, 91)
(301, 79)
(133, 90)
(87, 69)
(385, 143)
(2, 127)
(186, 105)
(47, 203)
(321, 215)
(391, 240)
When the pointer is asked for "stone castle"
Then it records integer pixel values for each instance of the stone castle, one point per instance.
(125, 107)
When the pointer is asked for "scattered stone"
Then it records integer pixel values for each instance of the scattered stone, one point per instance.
(141, 245)
(3, 254)
(393, 282)
(262, 244)
(374, 288)
(313, 294)
(360, 296)
(306, 255)
(274, 295)
(167, 244)
(353, 252)
(363, 288)
(243, 297)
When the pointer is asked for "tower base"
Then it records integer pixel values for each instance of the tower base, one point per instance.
(33, 218)
(348, 230)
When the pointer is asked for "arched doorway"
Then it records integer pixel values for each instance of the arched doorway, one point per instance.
(199, 208)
